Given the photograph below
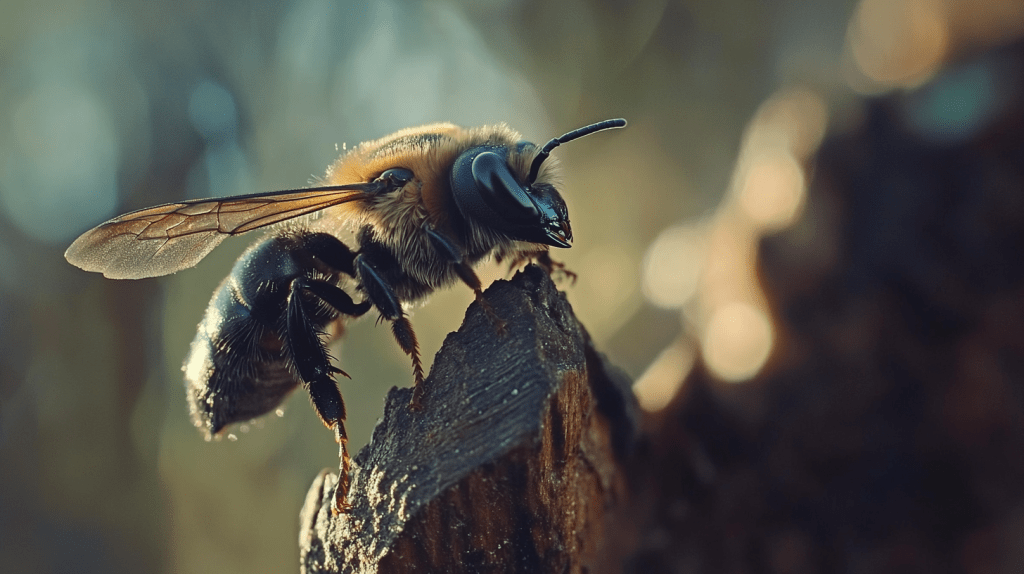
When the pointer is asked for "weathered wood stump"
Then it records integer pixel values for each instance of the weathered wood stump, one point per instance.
(514, 464)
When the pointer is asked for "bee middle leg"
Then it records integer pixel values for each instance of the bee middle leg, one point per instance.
(313, 363)
(453, 254)
(383, 296)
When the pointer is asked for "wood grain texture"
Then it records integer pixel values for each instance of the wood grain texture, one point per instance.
(513, 465)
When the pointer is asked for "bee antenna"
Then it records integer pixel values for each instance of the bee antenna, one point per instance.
(575, 134)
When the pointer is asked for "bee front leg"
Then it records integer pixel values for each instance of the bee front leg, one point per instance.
(451, 252)
(313, 363)
(556, 269)
(384, 298)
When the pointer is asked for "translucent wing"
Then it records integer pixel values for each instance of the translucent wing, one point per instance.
(175, 236)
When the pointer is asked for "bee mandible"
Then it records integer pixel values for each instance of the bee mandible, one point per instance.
(428, 203)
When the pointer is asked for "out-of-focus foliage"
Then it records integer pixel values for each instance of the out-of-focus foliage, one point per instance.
(112, 106)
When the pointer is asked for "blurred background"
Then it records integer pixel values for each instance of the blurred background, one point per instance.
(113, 106)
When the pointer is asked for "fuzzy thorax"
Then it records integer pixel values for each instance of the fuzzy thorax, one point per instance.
(398, 218)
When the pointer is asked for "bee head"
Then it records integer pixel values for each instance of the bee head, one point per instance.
(487, 191)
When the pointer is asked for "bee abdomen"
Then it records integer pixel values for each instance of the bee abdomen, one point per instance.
(229, 387)
(236, 369)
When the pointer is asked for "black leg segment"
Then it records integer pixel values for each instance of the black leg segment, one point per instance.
(331, 251)
(378, 290)
(384, 298)
(444, 246)
(309, 355)
(447, 249)
(303, 336)
(335, 297)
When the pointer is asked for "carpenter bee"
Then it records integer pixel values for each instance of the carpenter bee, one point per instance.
(428, 204)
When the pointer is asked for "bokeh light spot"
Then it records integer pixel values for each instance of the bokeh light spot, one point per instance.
(656, 387)
(897, 43)
(673, 264)
(211, 108)
(737, 341)
(773, 190)
(60, 173)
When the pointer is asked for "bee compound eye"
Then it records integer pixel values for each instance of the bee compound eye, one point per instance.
(496, 184)
(397, 177)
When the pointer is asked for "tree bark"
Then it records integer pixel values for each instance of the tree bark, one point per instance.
(514, 464)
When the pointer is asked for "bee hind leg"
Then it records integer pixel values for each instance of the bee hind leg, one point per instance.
(313, 363)
(330, 407)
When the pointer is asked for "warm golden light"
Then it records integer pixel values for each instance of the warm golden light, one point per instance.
(768, 182)
(897, 43)
(673, 265)
(729, 273)
(772, 192)
(664, 377)
(793, 119)
(767, 194)
(737, 341)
